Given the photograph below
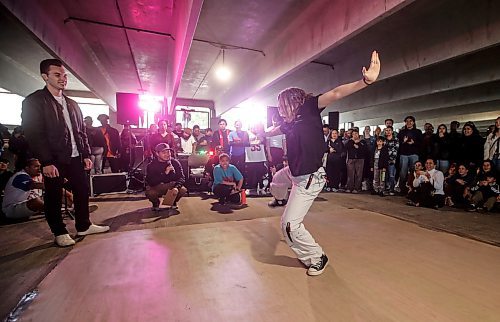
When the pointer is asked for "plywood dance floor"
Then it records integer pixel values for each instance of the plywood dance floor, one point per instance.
(382, 269)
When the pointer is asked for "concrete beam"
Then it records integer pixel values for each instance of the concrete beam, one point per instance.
(64, 41)
(450, 99)
(322, 25)
(482, 111)
(186, 14)
(466, 44)
(466, 71)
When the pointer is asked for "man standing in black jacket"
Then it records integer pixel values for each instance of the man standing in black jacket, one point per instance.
(54, 129)
(164, 173)
(113, 144)
(410, 140)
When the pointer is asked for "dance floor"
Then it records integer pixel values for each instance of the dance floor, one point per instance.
(236, 266)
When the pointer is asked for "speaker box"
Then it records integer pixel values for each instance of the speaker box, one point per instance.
(333, 120)
(108, 183)
(127, 108)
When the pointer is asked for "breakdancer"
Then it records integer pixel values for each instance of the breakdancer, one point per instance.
(303, 129)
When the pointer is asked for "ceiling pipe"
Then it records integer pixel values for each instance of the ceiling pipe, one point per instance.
(101, 23)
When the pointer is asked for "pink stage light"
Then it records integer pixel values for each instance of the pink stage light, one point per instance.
(150, 103)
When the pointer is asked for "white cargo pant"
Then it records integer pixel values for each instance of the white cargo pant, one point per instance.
(299, 202)
(282, 181)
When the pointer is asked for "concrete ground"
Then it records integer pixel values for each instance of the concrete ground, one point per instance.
(28, 255)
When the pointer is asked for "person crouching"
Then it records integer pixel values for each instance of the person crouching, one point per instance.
(227, 181)
(164, 177)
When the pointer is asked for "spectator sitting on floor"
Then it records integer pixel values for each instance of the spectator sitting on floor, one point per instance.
(412, 176)
(227, 181)
(430, 183)
(485, 193)
(5, 174)
(457, 187)
(21, 199)
(164, 173)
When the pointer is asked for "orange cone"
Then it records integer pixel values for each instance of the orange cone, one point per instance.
(243, 197)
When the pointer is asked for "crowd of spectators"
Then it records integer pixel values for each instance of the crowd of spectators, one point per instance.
(456, 167)
(431, 168)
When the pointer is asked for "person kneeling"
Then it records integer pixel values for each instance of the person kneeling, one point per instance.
(164, 178)
(227, 181)
(22, 198)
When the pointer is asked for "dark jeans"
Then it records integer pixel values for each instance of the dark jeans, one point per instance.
(77, 179)
(114, 164)
(223, 193)
(333, 171)
(424, 196)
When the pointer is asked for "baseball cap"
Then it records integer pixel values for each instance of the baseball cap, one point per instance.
(162, 147)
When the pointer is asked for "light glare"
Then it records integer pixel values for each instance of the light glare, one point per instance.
(223, 73)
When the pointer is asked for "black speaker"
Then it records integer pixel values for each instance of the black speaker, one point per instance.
(333, 120)
(127, 108)
(271, 111)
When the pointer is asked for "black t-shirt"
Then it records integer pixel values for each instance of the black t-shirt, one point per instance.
(305, 141)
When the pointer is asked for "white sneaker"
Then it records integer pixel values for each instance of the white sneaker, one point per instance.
(64, 240)
(93, 229)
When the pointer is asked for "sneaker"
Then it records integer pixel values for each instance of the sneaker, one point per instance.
(319, 267)
(348, 191)
(155, 207)
(276, 203)
(174, 206)
(93, 229)
(471, 207)
(93, 208)
(391, 193)
(64, 240)
(355, 191)
(335, 190)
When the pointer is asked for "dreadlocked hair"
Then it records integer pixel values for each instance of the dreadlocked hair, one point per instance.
(289, 101)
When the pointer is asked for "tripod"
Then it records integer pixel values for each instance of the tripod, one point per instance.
(132, 171)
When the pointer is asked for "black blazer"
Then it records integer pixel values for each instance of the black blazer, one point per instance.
(46, 132)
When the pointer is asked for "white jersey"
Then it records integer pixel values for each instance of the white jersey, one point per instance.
(18, 189)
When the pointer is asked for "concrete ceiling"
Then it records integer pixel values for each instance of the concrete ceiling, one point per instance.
(439, 58)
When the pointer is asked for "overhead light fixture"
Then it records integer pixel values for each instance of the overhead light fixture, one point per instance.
(223, 73)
